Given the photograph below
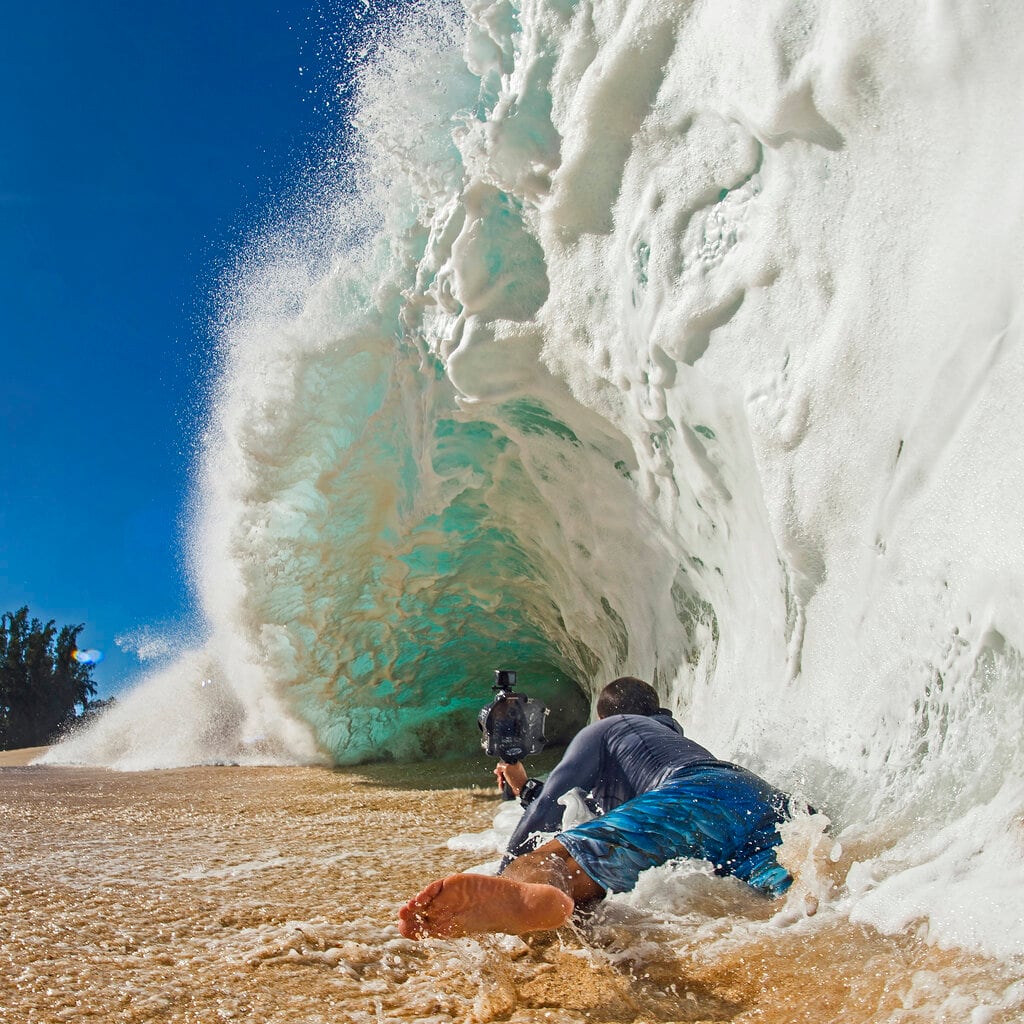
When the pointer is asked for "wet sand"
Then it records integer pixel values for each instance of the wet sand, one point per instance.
(270, 894)
(21, 757)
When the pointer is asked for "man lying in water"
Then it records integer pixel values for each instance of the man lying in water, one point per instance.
(665, 798)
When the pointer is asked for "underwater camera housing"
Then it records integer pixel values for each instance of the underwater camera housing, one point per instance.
(512, 724)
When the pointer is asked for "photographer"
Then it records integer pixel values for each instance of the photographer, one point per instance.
(663, 797)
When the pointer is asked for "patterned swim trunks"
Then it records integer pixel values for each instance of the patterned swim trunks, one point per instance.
(716, 812)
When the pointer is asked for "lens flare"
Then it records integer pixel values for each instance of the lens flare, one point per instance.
(90, 657)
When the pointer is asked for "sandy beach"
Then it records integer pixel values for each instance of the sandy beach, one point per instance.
(20, 758)
(271, 894)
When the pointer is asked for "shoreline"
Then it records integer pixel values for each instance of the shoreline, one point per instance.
(20, 758)
(272, 893)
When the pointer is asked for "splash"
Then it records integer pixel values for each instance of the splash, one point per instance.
(647, 337)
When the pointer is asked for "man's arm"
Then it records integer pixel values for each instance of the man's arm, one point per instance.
(579, 767)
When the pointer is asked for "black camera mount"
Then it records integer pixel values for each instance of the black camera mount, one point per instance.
(512, 724)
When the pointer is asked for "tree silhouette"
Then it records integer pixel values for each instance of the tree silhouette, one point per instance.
(41, 683)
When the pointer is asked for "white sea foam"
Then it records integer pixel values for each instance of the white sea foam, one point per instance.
(682, 339)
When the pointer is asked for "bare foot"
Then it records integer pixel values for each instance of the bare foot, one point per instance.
(465, 904)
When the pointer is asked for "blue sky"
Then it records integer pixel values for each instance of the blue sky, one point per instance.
(140, 143)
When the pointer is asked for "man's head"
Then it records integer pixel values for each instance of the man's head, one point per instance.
(627, 696)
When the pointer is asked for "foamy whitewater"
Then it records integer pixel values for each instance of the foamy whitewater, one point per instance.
(681, 339)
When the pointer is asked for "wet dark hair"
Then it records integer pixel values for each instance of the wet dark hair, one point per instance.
(627, 696)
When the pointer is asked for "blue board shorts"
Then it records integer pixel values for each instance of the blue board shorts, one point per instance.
(716, 812)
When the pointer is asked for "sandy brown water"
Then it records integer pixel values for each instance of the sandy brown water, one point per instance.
(270, 895)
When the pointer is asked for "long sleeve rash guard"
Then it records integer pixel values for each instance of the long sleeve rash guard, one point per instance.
(615, 759)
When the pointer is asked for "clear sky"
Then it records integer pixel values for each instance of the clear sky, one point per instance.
(139, 143)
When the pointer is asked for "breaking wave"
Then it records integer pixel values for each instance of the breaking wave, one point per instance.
(639, 337)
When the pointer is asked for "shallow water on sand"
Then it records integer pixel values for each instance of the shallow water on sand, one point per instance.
(270, 894)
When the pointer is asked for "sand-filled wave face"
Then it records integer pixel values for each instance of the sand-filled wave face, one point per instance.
(649, 337)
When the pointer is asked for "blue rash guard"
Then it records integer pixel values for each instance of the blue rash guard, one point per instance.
(615, 759)
(661, 796)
